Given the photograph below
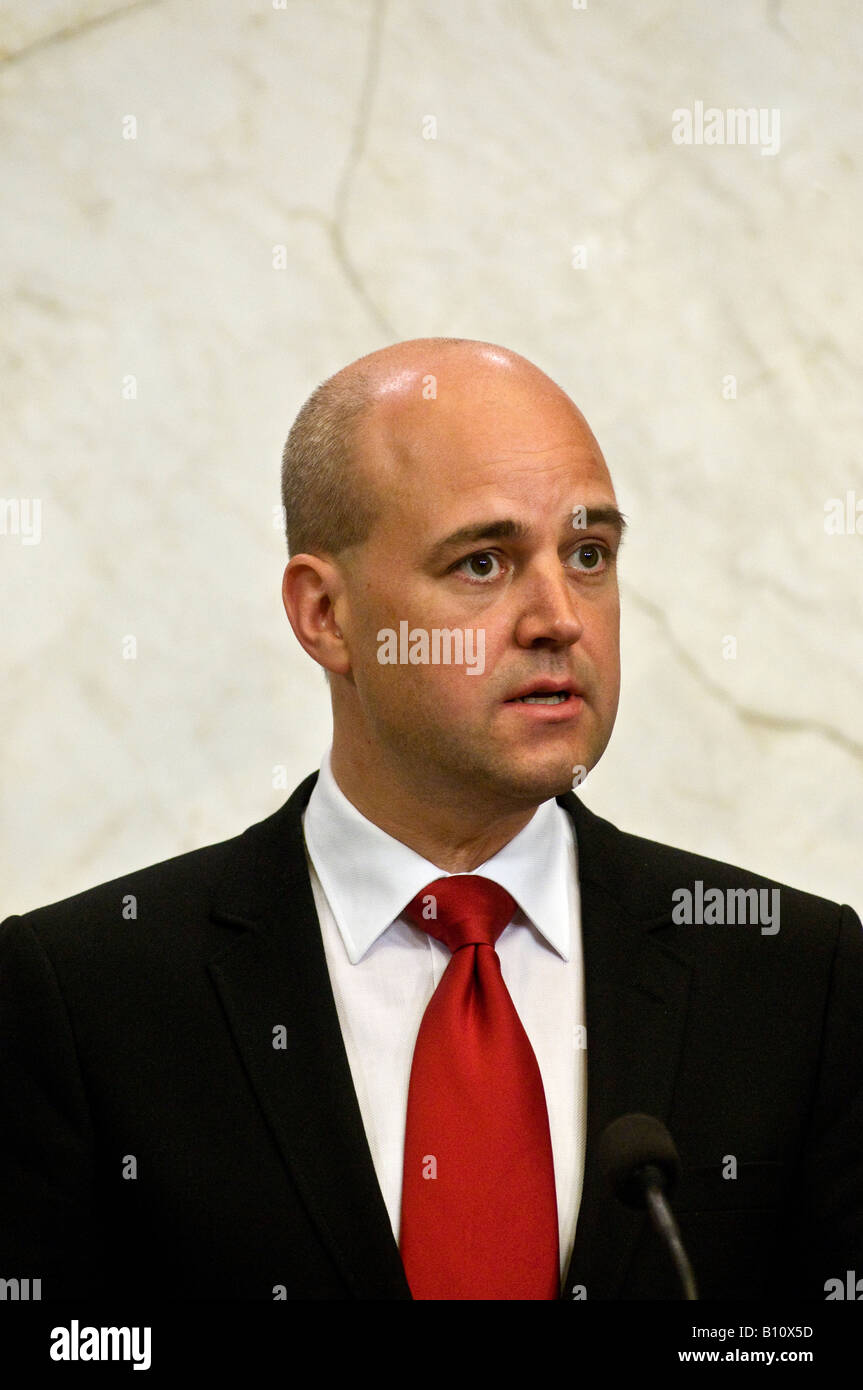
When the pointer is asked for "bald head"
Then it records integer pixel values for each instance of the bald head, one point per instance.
(362, 425)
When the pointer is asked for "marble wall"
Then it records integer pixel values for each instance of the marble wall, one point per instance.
(510, 170)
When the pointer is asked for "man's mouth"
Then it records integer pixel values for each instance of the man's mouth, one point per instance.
(556, 699)
(546, 692)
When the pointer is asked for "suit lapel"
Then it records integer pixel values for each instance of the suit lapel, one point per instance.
(275, 974)
(636, 986)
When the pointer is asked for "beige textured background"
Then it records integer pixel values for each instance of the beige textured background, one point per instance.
(303, 127)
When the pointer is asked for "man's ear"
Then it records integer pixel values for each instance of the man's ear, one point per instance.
(311, 586)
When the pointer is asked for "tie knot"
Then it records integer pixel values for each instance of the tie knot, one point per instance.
(462, 910)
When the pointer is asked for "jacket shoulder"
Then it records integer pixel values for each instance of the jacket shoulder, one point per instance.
(178, 891)
(645, 874)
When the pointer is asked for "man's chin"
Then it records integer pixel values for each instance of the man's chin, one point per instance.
(534, 783)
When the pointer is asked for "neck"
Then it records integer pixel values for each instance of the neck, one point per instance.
(451, 831)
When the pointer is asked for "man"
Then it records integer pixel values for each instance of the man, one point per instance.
(368, 1048)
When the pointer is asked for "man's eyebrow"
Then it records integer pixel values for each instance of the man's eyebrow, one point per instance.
(505, 530)
(604, 516)
(510, 530)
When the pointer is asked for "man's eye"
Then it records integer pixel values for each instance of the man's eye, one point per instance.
(593, 557)
(479, 567)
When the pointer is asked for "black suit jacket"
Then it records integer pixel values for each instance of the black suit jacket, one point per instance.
(144, 1045)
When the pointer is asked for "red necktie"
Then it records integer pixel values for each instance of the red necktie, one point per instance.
(479, 1210)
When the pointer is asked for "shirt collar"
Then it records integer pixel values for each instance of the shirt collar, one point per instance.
(369, 876)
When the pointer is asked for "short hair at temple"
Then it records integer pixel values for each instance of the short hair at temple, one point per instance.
(327, 503)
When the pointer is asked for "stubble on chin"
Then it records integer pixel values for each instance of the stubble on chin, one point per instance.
(470, 769)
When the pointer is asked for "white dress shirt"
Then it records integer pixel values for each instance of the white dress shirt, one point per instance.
(384, 971)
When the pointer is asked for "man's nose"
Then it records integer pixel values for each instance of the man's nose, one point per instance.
(549, 613)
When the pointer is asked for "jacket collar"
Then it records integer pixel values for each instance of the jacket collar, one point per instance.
(636, 975)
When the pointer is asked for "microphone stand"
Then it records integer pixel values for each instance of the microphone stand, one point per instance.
(663, 1220)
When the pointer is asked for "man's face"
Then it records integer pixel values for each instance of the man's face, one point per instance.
(482, 488)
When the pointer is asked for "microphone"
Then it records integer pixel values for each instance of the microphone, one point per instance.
(639, 1162)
